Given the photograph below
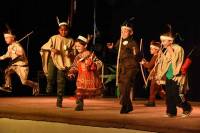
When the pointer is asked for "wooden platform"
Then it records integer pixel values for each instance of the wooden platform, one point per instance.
(103, 112)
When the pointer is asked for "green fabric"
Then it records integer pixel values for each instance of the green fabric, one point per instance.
(117, 93)
(169, 73)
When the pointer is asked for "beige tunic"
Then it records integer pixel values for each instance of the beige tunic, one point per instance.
(62, 60)
(176, 60)
(11, 53)
(20, 66)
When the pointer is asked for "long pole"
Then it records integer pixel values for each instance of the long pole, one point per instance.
(25, 36)
(141, 68)
(158, 60)
(94, 23)
(118, 56)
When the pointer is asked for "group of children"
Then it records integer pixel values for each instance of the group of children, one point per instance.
(60, 60)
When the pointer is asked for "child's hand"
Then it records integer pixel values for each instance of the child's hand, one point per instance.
(88, 62)
(55, 51)
(71, 76)
(143, 61)
(93, 67)
(109, 45)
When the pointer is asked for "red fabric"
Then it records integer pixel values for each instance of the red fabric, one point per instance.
(186, 65)
(88, 81)
(93, 67)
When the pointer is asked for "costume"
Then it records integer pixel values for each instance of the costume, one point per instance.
(88, 82)
(154, 87)
(128, 69)
(170, 63)
(55, 65)
(127, 65)
(86, 67)
(18, 65)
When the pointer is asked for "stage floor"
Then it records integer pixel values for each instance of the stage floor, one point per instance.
(102, 112)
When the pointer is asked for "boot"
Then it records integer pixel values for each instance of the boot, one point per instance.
(59, 101)
(150, 104)
(34, 86)
(59, 104)
(36, 89)
(125, 109)
(79, 106)
(6, 89)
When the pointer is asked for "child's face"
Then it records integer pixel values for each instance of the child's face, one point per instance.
(9, 40)
(166, 42)
(80, 48)
(63, 31)
(153, 50)
(125, 33)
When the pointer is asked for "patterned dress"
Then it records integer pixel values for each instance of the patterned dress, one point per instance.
(86, 67)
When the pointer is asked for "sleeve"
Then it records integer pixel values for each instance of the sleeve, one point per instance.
(48, 45)
(19, 50)
(160, 69)
(151, 63)
(115, 48)
(177, 60)
(93, 63)
(98, 63)
(74, 67)
(137, 53)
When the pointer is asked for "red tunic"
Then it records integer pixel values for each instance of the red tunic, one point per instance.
(88, 82)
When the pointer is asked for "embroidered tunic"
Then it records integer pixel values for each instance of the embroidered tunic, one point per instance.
(88, 82)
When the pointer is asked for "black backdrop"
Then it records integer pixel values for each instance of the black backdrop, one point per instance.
(40, 16)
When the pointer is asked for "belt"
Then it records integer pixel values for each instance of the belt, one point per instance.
(20, 65)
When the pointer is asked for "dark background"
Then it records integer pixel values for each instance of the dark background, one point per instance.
(39, 16)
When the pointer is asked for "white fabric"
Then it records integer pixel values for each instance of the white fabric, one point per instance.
(153, 46)
(62, 23)
(8, 35)
(126, 27)
(166, 38)
(82, 38)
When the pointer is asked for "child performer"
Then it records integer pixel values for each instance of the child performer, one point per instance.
(154, 87)
(85, 67)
